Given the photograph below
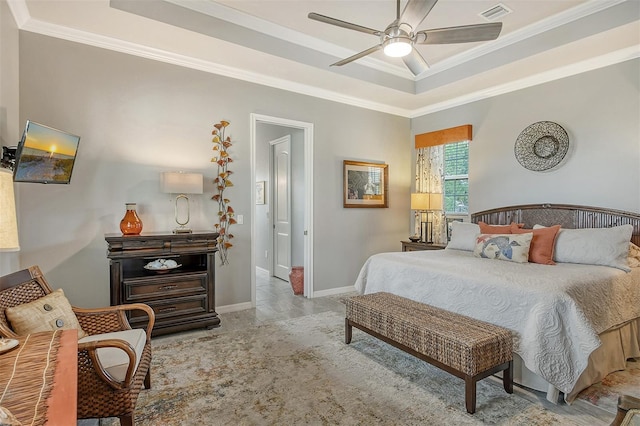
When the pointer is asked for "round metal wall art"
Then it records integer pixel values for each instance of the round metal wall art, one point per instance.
(541, 146)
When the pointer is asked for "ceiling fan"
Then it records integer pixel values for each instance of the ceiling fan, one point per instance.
(400, 37)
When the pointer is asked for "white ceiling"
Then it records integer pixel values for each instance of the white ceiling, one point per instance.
(272, 42)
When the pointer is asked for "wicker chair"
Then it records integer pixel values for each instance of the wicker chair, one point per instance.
(101, 393)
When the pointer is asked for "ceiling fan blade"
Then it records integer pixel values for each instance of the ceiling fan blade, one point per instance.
(462, 34)
(415, 11)
(415, 62)
(343, 24)
(358, 55)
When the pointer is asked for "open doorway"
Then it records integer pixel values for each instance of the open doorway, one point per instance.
(269, 152)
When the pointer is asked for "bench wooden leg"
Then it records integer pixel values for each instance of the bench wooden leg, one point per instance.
(470, 394)
(347, 331)
(507, 378)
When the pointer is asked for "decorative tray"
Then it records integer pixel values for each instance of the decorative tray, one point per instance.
(162, 265)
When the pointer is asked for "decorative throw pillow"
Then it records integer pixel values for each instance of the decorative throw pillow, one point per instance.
(511, 247)
(463, 236)
(485, 228)
(633, 260)
(542, 244)
(49, 313)
(594, 246)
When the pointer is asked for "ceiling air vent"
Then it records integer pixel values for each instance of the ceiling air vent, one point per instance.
(496, 12)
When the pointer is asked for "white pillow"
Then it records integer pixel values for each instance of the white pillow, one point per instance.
(463, 236)
(510, 247)
(594, 246)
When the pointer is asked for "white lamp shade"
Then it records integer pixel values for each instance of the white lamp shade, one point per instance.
(181, 183)
(426, 201)
(8, 221)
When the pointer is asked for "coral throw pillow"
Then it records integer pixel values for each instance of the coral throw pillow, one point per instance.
(542, 245)
(485, 228)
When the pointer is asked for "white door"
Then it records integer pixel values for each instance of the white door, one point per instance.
(281, 190)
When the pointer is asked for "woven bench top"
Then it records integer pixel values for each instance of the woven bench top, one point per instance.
(464, 343)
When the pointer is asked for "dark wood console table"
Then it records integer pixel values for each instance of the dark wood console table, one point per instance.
(182, 298)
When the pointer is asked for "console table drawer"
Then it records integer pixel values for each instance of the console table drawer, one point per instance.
(164, 287)
(171, 308)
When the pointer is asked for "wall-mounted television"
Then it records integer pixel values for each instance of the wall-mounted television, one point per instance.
(45, 155)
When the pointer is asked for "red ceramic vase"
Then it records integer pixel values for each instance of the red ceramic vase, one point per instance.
(296, 278)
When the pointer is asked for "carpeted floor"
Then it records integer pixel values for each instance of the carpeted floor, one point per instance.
(299, 371)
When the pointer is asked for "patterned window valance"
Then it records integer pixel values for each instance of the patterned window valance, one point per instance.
(444, 136)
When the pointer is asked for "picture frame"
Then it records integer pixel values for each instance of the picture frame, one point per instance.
(365, 185)
(260, 192)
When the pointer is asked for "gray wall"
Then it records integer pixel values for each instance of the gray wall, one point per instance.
(138, 118)
(600, 110)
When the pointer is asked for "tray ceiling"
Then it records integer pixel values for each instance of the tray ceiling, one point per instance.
(272, 42)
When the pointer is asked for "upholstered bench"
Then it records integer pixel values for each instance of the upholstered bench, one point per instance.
(463, 346)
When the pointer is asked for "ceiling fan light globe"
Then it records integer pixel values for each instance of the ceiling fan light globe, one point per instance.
(397, 48)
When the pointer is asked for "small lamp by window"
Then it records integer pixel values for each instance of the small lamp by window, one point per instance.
(425, 203)
(8, 221)
(181, 183)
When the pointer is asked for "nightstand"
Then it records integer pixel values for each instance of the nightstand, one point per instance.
(411, 246)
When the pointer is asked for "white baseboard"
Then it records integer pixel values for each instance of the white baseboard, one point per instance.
(247, 305)
(334, 291)
(259, 269)
(233, 308)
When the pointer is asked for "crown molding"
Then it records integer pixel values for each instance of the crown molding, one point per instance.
(26, 23)
(602, 61)
(91, 39)
(19, 11)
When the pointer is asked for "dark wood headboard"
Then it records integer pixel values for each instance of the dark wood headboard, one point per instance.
(566, 215)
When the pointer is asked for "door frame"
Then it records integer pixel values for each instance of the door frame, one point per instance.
(307, 129)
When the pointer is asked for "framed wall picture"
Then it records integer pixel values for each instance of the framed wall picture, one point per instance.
(260, 192)
(365, 184)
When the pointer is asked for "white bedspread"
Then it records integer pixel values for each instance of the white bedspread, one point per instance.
(556, 311)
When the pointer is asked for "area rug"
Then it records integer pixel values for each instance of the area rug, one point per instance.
(604, 395)
(300, 371)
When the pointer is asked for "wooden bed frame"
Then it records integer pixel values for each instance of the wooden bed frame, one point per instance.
(565, 215)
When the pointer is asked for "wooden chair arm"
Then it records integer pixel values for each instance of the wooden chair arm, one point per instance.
(112, 318)
(91, 349)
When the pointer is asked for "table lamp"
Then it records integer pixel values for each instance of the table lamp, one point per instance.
(8, 221)
(181, 183)
(425, 203)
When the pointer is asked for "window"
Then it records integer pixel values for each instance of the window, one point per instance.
(456, 178)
